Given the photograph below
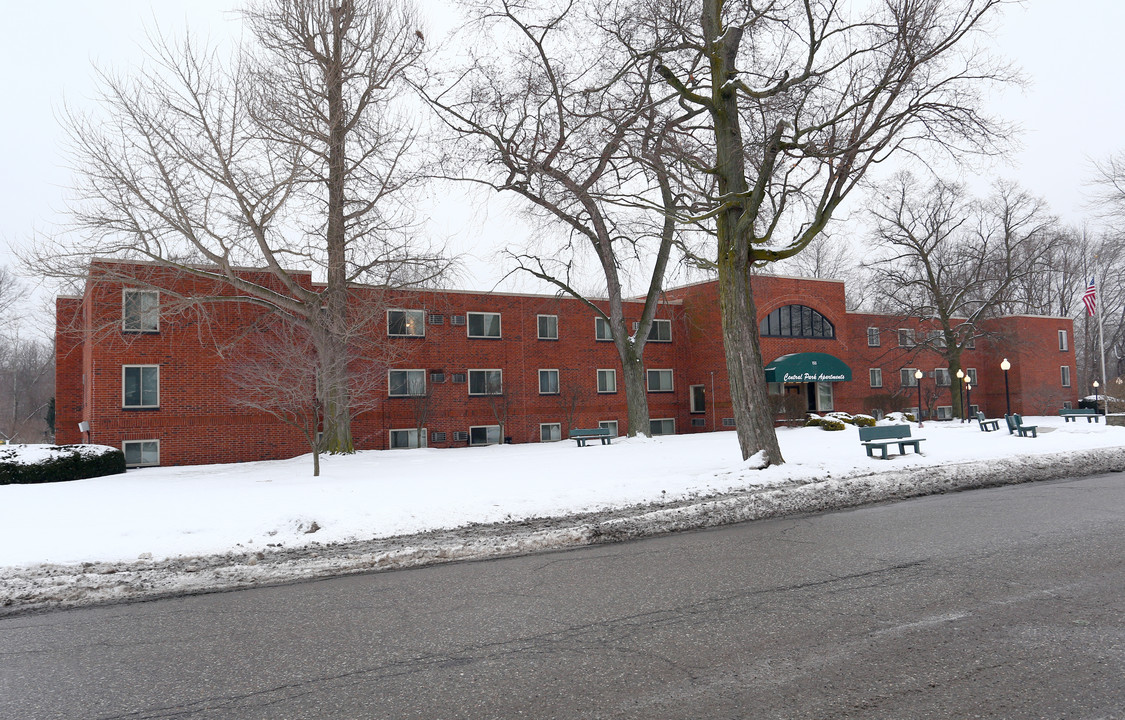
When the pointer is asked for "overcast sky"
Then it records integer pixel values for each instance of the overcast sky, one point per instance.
(1071, 114)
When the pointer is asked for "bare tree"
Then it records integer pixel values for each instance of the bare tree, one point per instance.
(802, 99)
(565, 118)
(951, 261)
(288, 155)
(27, 387)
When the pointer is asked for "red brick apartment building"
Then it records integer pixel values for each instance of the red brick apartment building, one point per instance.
(155, 383)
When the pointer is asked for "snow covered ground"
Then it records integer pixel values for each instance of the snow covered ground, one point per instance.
(161, 531)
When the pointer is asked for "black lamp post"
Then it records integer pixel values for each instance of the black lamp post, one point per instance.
(961, 391)
(968, 397)
(1096, 397)
(1006, 366)
(918, 382)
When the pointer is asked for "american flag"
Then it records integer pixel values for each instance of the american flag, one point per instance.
(1090, 298)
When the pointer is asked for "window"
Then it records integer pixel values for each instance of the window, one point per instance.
(876, 377)
(140, 453)
(873, 337)
(728, 422)
(938, 340)
(876, 413)
(973, 410)
(941, 377)
(1063, 346)
(610, 425)
(659, 381)
(1067, 404)
(906, 338)
(824, 397)
(906, 375)
(140, 311)
(607, 381)
(1065, 375)
(140, 386)
(486, 382)
(406, 323)
(550, 432)
(661, 331)
(663, 426)
(944, 412)
(601, 329)
(484, 435)
(796, 321)
(484, 325)
(406, 383)
(971, 373)
(912, 411)
(697, 395)
(407, 438)
(548, 382)
(548, 327)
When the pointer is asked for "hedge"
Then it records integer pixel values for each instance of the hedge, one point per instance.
(62, 463)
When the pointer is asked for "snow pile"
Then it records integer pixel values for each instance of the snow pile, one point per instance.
(159, 531)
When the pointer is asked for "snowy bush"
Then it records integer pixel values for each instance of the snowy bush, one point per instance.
(842, 417)
(831, 424)
(31, 464)
(813, 420)
(863, 420)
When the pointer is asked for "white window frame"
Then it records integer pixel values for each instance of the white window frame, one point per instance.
(825, 397)
(608, 425)
(1063, 344)
(420, 316)
(660, 323)
(408, 372)
(539, 327)
(943, 412)
(488, 430)
(556, 433)
(602, 330)
(125, 293)
(1064, 371)
(971, 373)
(873, 337)
(469, 382)
(906, 338)
(548, 372)
(875, 375)
(942, 378)
(125, 451)
(908, 375)
(469, 325)
(140, 379)
(663, 421)
(611, 374)
(412, 440)
(692, 405)
(660, 389)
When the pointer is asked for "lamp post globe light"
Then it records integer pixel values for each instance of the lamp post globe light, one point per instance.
(918, 382)
(1006, 366)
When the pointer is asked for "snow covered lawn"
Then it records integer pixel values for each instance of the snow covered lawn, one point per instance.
(157, 513)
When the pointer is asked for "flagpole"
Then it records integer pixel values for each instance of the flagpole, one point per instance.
(1101, 347)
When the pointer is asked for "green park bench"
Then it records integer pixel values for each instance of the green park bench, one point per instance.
(1072, 414)
(1016, 426)
(987, 425)
(880, 437)
(583, 436)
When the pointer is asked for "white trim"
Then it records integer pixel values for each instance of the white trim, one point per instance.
(606, 425)
(406, 310)
(539, 335)
(691, 399)
(655, 321)
(1064, 345)
(124, 315)
(671, 380)
(141, 464)
(1064, 375)
(469, 324)
(407, 394)
(140, 379)
(499, 439)
(599, 321)
(613, 374)
(875, 377)
(662, 420)
(418, 443)
(469, 381)
(549, 370)
(554, 425)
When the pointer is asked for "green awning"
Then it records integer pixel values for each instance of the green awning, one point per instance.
(808, 367)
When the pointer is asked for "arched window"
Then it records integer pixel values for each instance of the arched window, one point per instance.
(796, 321)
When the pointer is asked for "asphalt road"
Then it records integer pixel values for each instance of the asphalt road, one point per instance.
(1000, 603)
